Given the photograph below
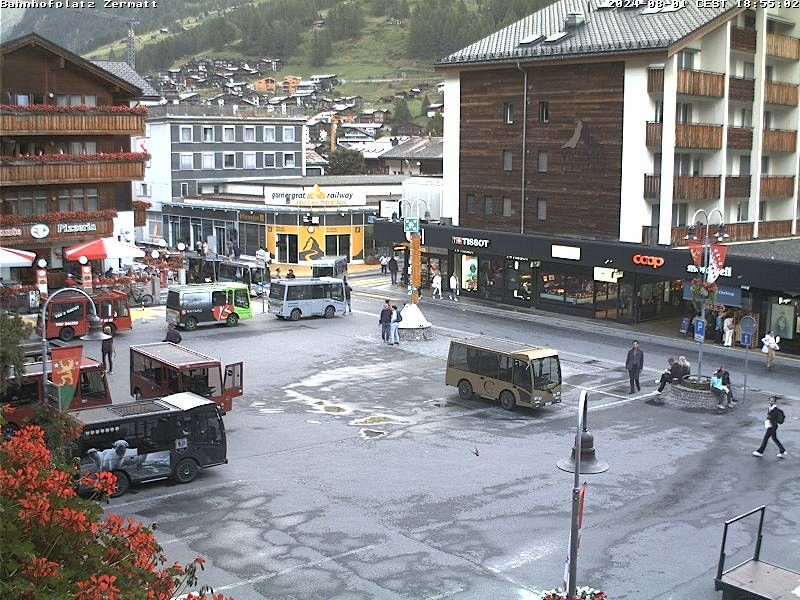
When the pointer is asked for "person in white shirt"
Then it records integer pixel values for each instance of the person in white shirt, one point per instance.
(454, 287)
(384, 261)
(436, 286)
(769, 348)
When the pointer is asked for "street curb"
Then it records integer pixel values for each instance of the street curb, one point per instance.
(617, 330)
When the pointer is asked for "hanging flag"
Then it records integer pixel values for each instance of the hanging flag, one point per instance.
(66, 373)
(716, 261)
(696, 248)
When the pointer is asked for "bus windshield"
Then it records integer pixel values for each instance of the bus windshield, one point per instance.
(276, 291)
(546, 373)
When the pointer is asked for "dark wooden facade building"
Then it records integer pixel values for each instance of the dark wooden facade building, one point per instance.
(65, 139)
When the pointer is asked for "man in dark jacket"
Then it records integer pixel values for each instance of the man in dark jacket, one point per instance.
(348, 296)
(173, 335)
(393, 268)
(671, 373)
(774, 417)
(385, 321)
(634, 363)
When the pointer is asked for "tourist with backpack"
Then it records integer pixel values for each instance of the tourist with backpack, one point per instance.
(775, 417)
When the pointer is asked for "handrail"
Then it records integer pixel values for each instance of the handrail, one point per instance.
(762, 509)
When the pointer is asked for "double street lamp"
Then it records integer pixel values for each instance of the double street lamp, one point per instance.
(705, 233)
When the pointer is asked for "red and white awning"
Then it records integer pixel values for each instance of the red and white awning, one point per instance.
(9, 257)
(103, 248)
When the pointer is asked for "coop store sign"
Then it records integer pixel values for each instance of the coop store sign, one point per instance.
(76, 227)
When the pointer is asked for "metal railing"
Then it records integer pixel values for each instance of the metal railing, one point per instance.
(226, 110)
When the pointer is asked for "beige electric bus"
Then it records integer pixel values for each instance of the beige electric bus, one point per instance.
(513, 373)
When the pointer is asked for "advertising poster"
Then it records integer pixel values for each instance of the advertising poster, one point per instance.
(469, 273)
(781, 320)
(121, 457)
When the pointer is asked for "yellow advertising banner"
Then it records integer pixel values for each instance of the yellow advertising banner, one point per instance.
(311, 243)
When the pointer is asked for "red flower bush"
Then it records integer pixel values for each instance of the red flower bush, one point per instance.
(99, 157)
(58, 545)
(79, 108)
(141, 205)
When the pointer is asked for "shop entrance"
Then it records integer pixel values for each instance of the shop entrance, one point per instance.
(338, 245)
(286, 248)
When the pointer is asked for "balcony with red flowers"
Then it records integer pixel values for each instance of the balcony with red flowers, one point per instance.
(72, 168)
(48, 119)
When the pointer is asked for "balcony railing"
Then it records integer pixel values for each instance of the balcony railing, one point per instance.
(777, 186)
(741, 89)
(27, 172)
(783, 46)
(685, 187)
(740, 138)
(78, 123)
(776, 92)
(695, 136)
(655, 80)
(743, 40)
(779, 140)
(737, 187)
(701, 83)
(737, 232)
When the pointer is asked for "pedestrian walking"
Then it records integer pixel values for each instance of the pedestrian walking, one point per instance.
(670, 374)
(394, 324)
(107, 349)
(719, 327)
(348, 292)
(727, 332)
(393, 268)
(454, 287)
(385, 321)
(770, 346)
(436, 285)
(384, 262)
(775, 417)
(173, 335)
(634, 363)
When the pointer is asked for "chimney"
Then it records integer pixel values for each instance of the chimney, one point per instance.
(574, 20)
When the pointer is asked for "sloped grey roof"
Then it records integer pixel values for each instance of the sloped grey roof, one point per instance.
(124, 71)
(608, 30)
(417, 148)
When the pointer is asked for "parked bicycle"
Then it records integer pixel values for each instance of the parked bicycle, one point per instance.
(138, 296)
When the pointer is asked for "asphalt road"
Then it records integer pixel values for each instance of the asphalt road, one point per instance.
(355, 473)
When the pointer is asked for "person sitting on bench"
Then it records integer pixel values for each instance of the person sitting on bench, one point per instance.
(671, 374)
(720, 389)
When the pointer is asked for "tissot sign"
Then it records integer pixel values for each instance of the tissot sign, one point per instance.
(470, 242)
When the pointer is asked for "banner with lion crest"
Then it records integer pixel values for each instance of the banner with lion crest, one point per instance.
(66, 373)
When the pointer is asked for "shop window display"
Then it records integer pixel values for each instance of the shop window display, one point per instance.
(578, 291)
(469, 273)
(519, 282)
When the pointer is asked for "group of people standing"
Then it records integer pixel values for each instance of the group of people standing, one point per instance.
(389, 322)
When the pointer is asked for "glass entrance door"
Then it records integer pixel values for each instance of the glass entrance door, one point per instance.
(338, 245)
(606, 300)
(286, 247)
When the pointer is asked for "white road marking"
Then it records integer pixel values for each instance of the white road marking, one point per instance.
(163, 496)
(294, 568)
(523, 559)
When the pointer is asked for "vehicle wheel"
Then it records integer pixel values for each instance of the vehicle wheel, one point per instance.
(9, 429)
(146, 300)
(66, 334)
(296, 314)
(465, 390)
(232, 320)
(191, 324)
(507, 400)
(185, 471)
(137, 394)
(329, 312)
(123, 483)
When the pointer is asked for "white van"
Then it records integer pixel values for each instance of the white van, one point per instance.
(307, 297)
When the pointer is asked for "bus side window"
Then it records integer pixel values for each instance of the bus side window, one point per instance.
(219, 298)
(336, 292)
(27, 393)
(473, 360)
(172, 380)
(506, 369)
(206, 428)
(92, 386)
(241, 298)
(489, 364)
(522, 374)
(458, 357)
(106, 309)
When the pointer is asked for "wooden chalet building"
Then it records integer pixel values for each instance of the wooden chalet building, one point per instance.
(65, 138)
(586, 135)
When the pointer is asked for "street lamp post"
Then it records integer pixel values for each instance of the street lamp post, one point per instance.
(95, 329)
(692, 235)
